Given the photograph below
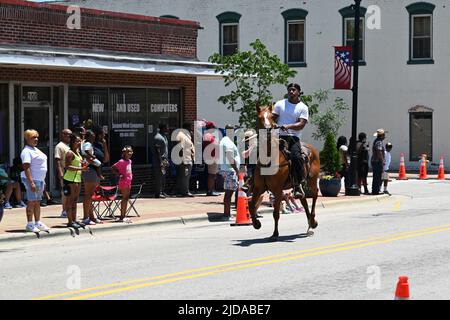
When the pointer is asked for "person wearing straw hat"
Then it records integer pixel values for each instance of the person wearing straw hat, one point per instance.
(377, 160)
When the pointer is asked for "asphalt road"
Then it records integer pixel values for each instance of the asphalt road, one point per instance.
(357, 252)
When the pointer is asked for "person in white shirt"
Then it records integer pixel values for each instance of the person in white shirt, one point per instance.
(60, 155)
(229, 162)
(292, 115)
(33, 177)
(184, 169)
(387, 163)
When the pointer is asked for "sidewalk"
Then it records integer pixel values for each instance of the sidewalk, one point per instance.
(152, 211)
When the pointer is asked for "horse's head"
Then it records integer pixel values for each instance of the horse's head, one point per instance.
(265, 119)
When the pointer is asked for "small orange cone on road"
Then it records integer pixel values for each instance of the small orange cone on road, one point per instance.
(242, 213)
(441, 173)
(402, 169)
(402, 291)
(423, 167)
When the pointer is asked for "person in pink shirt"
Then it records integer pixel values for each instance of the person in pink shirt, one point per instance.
(123, 169)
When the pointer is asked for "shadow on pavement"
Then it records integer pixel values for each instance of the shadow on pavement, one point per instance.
(217, 217)
(16, 231)
(290, 238)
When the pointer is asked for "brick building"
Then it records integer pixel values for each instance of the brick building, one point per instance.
(125, 72)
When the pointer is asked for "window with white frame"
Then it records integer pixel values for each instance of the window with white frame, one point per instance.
(348, 30)
(349, 35)
(228, 32)
(295, 37)
(420, 33)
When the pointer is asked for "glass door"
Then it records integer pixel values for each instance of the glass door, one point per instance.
(37, 112)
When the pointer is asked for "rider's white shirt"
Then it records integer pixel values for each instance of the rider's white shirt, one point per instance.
(289, 113)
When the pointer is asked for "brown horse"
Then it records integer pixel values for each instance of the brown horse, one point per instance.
(280, 181)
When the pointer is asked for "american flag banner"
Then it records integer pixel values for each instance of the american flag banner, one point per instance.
(342, 67)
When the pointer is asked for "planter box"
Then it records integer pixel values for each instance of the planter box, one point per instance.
(330, 188)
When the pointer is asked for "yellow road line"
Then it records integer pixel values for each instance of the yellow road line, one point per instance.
(294, 255)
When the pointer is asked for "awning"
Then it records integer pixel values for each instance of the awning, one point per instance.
(50, 58)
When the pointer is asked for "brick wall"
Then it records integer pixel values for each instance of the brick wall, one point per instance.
(46, 25)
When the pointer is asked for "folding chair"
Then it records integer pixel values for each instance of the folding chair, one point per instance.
(106, 195)
(132, 200)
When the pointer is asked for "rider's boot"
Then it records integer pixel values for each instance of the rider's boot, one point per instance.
(298, 192)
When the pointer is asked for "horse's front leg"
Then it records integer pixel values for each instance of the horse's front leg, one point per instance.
(276, 214)
(312, 223)
(253, 207)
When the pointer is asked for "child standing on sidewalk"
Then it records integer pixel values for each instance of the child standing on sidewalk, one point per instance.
(387, 163)
(123, 169)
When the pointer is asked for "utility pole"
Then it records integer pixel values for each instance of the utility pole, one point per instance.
(353, 189)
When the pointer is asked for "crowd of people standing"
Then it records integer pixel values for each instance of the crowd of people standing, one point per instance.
(379, 161)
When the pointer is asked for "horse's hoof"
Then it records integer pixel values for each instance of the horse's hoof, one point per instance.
(256, 224)
(313, 225)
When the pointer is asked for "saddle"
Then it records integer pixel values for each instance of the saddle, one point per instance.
(305, 153)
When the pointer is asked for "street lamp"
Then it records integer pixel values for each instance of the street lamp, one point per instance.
(353, 189)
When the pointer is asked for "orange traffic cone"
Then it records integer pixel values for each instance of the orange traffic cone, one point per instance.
(242, 213)
(402, 169)
(423, 168)
(402, 291)
(441, 173)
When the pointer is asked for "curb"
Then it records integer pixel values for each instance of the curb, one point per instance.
(182, 220)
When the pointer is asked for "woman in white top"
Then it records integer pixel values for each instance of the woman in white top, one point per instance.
(344, 158)
(33, 177)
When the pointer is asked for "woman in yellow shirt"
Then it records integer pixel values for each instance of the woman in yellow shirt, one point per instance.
(72, 180)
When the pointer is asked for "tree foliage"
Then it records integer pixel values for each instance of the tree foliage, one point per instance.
(250, 75)
(329, 156)
(325, 118)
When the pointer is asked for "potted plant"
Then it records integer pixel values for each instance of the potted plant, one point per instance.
(327, 124)
(330, 181)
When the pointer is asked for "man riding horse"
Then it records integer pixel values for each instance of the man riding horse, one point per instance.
(291, 115)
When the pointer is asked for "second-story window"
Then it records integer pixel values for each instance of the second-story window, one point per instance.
(230, 38)
(228, 32)
(349, 35)
(421, 37)
(295, 37)
(348, 30)
(296, 42)
(420, 33)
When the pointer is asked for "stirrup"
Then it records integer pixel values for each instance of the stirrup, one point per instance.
(299, 194)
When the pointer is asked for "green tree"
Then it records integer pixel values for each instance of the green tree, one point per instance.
(331, 118)
(327, 120)
(250, 74)
(329, 156)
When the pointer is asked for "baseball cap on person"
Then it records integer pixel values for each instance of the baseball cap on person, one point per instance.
(210, 125)
(380, 132)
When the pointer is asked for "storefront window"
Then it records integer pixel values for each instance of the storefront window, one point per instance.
(88, 104)
(4, 128)
(164, 107)
(128, 114)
